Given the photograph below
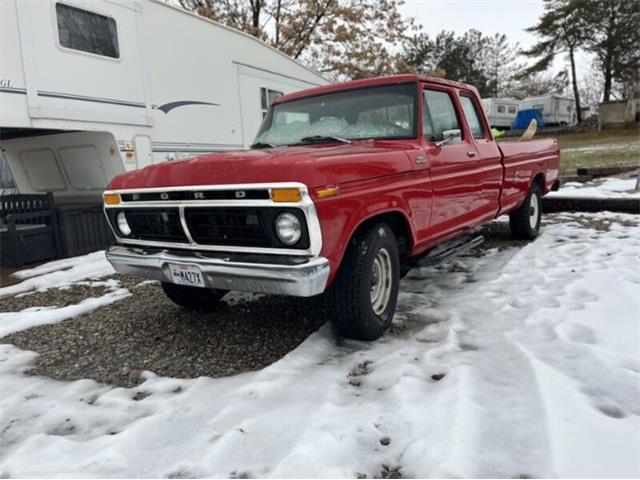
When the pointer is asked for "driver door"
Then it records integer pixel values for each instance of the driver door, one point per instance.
(454, 177)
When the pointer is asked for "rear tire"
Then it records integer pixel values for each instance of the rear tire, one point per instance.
(193, 297)
(525, 220)
(364, 294)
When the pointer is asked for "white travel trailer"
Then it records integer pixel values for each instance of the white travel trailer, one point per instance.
(556, 109)
(91, 88)
(501, 111)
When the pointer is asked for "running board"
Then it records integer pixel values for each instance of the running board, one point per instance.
(449, 250)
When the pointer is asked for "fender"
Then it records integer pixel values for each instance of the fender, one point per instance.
(342, 215)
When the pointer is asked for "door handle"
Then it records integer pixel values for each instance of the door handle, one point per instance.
(471, 154)
(421, 159)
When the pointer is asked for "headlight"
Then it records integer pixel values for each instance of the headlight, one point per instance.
(288, 228)
(123, 225)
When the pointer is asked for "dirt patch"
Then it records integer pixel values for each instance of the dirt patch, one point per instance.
(62, 297)
(146, 331)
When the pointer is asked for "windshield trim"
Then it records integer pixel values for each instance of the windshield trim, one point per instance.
(416, 98)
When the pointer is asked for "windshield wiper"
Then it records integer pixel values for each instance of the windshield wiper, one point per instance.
(323, 138)
(262, 145)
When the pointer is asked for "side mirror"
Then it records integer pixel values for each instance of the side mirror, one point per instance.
(449, 136)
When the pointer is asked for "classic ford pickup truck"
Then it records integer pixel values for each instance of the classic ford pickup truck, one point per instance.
(343, 188)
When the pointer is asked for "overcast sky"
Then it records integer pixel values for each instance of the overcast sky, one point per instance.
(510, 17)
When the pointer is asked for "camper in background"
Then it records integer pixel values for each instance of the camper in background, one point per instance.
(556, 110)
(92, 88)
(501, 111)
(151, 83)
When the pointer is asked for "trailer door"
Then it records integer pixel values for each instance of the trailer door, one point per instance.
(84, 61)
(257, 88)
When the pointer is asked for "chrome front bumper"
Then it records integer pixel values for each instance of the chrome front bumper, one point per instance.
(301, 279)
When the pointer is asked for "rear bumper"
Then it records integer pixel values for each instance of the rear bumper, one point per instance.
(298, 279)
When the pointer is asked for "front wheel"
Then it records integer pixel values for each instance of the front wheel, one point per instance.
(193, 297)
(364, 294)
(525, 220)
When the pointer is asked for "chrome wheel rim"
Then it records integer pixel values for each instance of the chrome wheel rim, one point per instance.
(534, 211)
(381, 281)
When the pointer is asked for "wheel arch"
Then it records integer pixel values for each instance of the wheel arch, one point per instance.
(399, 224)
(397, 221)
(539, 179)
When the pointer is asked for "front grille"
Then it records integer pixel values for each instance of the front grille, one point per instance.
(162, 225)
(226, 226)
(240, 226)
(251, 227)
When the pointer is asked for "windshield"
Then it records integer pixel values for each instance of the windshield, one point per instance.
(367, 113)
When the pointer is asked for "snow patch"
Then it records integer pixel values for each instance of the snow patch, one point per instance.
(518, 363)
(605, 188)
(11, 322)
(60, 273)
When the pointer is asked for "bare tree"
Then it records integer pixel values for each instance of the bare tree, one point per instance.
(343, 38)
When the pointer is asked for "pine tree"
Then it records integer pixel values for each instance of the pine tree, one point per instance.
(562, 30)
(613, 35)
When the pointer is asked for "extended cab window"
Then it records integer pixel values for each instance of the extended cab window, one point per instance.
(472, 116)
(439, 115)
(87, 31)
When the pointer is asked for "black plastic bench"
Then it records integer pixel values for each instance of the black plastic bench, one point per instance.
(28, 229)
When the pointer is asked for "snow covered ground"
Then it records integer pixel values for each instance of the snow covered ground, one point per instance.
(601, 188)
(518, 363)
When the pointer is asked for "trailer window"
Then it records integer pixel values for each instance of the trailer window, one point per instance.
(472, 116)
(87, 31)
(267, 96)
(512, 109)
(501, 109)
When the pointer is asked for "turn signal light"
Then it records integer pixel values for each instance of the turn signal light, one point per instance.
(112, 199)
(285, 195)
(328, 192)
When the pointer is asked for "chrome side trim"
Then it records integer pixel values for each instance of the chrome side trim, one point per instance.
(301, 280)
(305, 204)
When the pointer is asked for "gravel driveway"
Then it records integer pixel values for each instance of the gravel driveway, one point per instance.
(146, 331)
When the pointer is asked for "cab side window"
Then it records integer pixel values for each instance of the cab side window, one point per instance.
(439, 114)
(472, 116)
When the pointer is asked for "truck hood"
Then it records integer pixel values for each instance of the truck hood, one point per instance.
(314, 166)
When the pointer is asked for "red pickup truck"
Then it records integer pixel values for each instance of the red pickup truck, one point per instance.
(343, 188)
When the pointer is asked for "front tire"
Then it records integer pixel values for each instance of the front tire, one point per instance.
(364, 294)
(525, 220)
(193, 297)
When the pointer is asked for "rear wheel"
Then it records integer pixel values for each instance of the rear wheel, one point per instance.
(525, 220)
(193, 297)
(364, 294)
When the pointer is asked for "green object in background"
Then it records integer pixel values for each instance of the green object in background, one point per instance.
(497, 133)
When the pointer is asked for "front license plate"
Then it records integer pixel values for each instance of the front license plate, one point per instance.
(189, 275)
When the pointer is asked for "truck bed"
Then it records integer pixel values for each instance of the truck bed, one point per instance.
(524, 161)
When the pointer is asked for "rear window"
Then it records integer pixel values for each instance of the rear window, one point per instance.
(87, 31)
